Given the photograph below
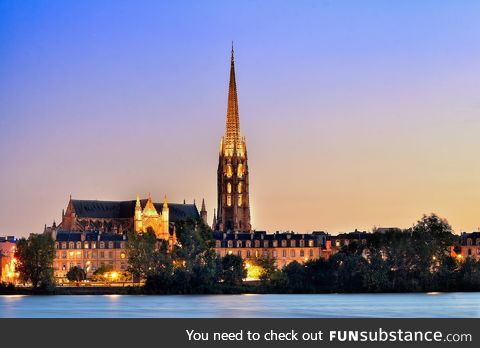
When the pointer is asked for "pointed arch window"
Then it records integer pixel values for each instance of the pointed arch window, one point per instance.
(229, 171)
(240, 170)
(229, 188)
(240, 187)
(239, 200)
(229, 201)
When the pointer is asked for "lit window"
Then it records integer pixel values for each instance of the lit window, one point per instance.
(240, 187)
(240, 170)
(102, 245)
(239, 200)
(249, 253)
(249, 244)
(292, 253)
(229, 188)
(122, 255)
(79, 245)
(229, 201)
(229, 170)
(110, 245)
(94, 245)
(85, 245)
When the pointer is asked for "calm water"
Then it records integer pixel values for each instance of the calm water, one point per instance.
(335, 305)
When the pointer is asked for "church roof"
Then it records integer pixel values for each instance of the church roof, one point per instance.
(126, 209)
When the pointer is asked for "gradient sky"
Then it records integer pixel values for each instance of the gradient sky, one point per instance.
(356, 113)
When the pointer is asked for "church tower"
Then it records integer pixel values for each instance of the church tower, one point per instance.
(233, 213)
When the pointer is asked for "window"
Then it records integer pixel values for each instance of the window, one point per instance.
(56, 245)
(110, 254)
(284, 243)
(240, 170)
(311, 252)
(85, 245)
(64, 254)
(265, 253)
(265, 243)
(229, 188)
(229, 201)
(275, 244)
(302, 243)
(79, 245)
(239, 200)
(469, 241)
(218, 243)
(239, 243)
(229, 171)
(64, 245)
(239, 253)
(310, 243)
(284, 253)
(292, 243)
(94, 245)
(257, 244)
(85, 254)
(249, 244)
(274, 254)
(230, 244)
(249, 253)
(469, 251)
(102, 245)
(122, 245)
(292, 253)
(122, 265)
(302, 253)
(71, 245)
(94, 255)
(110, 245)
(102, 254)
(240, 187)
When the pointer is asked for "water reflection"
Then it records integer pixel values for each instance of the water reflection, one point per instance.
(244, 306)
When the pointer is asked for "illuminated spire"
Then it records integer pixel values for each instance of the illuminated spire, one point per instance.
(137, 204)
(165, 204)
(232, 139)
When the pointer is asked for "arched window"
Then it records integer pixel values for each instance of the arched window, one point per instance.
(79, 245)
(229, 201)
(229, 188)
(71, 245)
(239, 243)
(230, 243)
(240, 170)
(229, 171)
(249, 244)
(240, 187)
(239, 200)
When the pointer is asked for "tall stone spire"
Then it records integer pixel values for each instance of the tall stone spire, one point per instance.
(233, 213)
(232, 140)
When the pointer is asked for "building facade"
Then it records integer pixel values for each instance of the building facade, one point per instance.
(93, 234)
(8, 273)
(470, 245)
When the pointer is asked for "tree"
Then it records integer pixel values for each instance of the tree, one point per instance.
(76, 274)
(147, 256)
(233, 269)
(35, 257)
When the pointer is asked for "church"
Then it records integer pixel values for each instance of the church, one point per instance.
(93, 233)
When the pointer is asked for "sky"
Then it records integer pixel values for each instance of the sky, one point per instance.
(356, 113)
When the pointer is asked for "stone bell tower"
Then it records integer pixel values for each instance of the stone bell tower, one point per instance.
(233, 213)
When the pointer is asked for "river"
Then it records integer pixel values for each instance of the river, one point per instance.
(431, 305)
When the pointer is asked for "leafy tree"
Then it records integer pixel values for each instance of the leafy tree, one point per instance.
(76, 274)
(147, 256)
(296, 276)
(196, 256)
(35, 257)
(233, 270)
